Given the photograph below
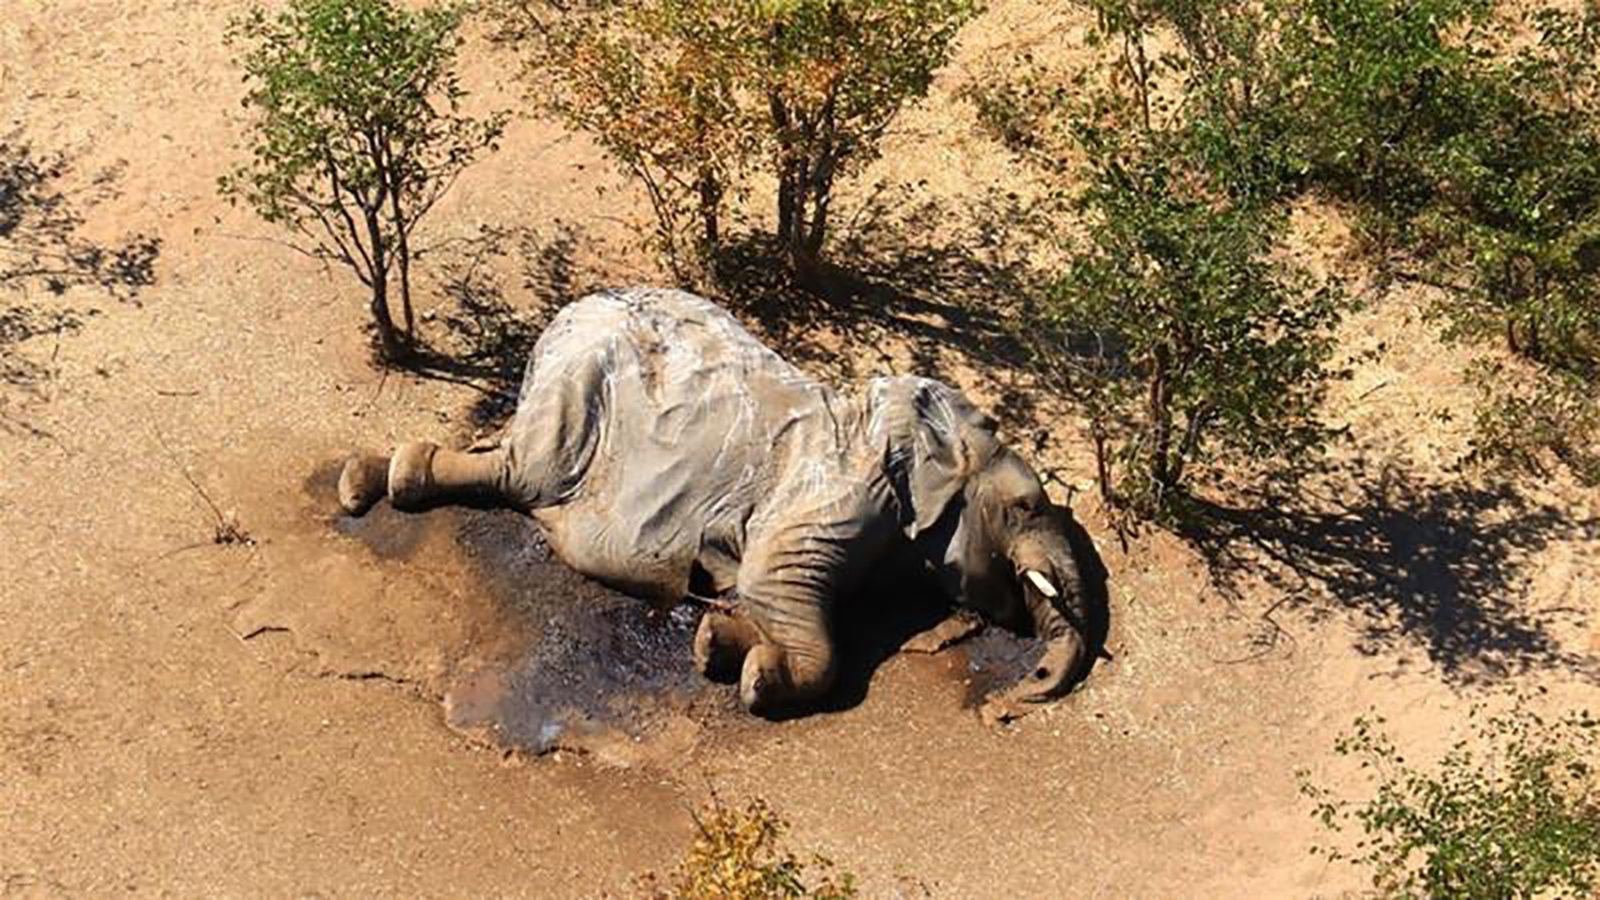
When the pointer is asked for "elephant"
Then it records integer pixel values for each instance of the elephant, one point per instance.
(669, 454)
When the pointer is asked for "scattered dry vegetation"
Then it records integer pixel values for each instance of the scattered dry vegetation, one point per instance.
(741, 854)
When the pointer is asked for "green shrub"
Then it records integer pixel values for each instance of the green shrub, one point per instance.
(737, 854)
(1176, 326)
(1378, 86)
(1512, 812)
(1535, 421)
(1485, 158)
(692, 97)
(356, 133)
(1517, 224)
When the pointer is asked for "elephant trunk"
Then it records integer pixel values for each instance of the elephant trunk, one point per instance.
(1054, 596)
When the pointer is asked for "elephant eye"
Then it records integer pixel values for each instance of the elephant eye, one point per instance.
(1020, 511)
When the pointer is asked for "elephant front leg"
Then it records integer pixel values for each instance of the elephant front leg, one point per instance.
(721, 643)
(793, 663)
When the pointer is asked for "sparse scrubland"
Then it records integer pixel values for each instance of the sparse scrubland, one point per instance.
(1297, 302)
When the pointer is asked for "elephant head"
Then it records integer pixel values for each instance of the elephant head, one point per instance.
(979, 514)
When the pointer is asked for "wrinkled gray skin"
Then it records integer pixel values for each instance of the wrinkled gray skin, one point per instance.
(660, 445)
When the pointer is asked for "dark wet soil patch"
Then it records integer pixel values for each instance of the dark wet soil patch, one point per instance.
(598, 661)
(993, 660)
(388, 533)
(589, 665)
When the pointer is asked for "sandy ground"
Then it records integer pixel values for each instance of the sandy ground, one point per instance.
(188, 718)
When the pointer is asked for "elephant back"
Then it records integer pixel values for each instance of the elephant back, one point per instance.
(650, 427)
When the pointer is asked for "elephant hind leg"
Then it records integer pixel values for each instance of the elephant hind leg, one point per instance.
(420, 474)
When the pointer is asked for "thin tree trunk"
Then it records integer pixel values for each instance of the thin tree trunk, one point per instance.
(786, 211)
(1160, 421)
(802, 263)
(710, 206)
(817, 233)
(389, 175)
(1191, 441)
(388, 339)
(403, 258)
(779, 111)
(1102, 462)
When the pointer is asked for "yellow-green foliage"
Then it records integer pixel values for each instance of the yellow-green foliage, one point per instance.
(738, 854)
(693, 99)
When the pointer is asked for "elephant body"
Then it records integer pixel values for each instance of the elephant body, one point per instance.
(667, 452)
(655, 437)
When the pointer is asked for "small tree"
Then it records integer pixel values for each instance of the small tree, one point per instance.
(656, 85)
(1514, 811)
(690, 97)
(357, 133)
(1177, 325)
(833, 75)
(1181, 334)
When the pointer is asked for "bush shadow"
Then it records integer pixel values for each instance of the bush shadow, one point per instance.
(1439, 566)
(889, 284)
(486, 340)
(42, 258)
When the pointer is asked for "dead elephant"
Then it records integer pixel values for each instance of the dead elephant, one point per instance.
(661, 446)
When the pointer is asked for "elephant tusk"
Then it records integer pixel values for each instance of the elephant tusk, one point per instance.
(1042, 583)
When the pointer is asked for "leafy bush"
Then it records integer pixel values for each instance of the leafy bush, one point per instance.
(1486, 157)
(1512, 812)
(690, 97)
(737, 855)
(1518, 225)
(1378, 86)
(1533, 421)
(1177, 326)
(655, 84)
(1478, 156)
(357, 133)
(1181, 337)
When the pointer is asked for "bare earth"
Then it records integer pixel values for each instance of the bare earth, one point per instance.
(314, 711)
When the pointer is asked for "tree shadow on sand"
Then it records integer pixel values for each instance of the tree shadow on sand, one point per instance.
(42, 257)
(889, 284)
(486, 340)
(1441, 566)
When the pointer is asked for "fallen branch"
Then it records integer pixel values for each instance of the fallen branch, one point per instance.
(227, 529)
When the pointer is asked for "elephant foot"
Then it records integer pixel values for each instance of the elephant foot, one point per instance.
(761, 679)
(774, 678)
(363, 482)
(961, 625)
(411, 474)
(721, 643)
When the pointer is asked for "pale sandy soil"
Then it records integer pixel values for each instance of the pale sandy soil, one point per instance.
(264, 720)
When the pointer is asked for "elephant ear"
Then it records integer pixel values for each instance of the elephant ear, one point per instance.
(938, 441)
